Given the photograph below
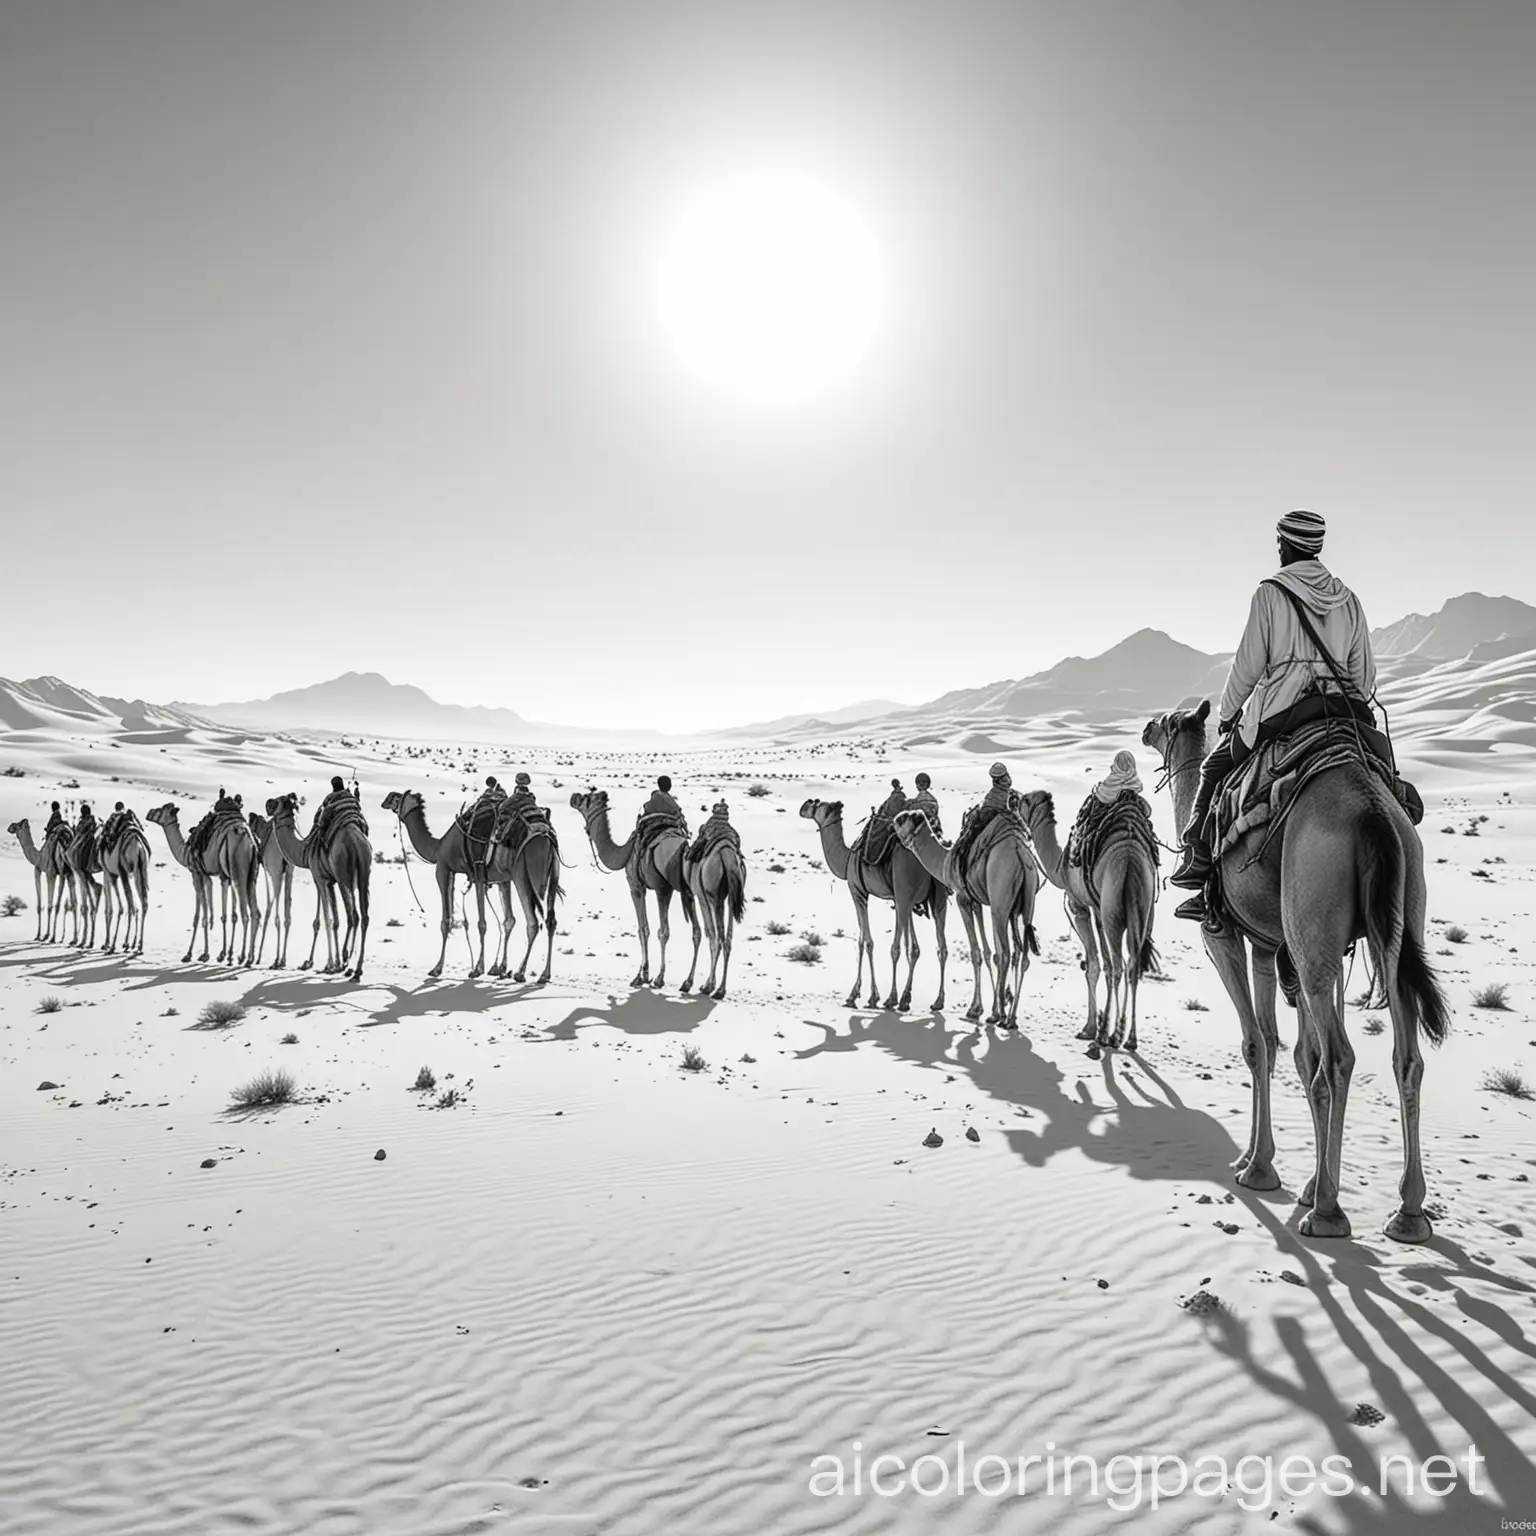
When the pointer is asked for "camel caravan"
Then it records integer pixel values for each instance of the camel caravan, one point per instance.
(1298, 843)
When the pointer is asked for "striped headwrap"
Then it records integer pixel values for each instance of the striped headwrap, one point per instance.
(1303, 529)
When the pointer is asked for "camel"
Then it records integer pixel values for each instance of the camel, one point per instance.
(534, 873)
(50, 872)
(279, 873)
(1348, 865)
(344, 861)
(450, 857)
(659, 870)
(84, 864)
(1115, 930)
(230, 858)
(904, 883)
(125, 874)
(1006, 882)
(719, 883)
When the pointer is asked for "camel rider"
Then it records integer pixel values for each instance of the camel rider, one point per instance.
(112, 827)
(1122, 779)
(925, 802)
(522, 799)
(997, 799)
(512, 818)
(881, 837)
(718, 825)
(661, 804)
(55, 821)
(338, 797)
(1278, 680)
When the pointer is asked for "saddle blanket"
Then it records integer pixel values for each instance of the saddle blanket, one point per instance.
(1003, 825)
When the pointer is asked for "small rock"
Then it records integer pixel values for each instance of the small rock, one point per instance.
(933, 1139)
(46, 1087)
(1291, 1277)
(209, 1162)
(378, 1156)
(1202, 1304)
(1366, 1413)
(972, 1134)
(1103, 1285)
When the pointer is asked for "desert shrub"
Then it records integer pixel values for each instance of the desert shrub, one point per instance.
(220, 1015)
(813, 938)
(805, 954)
(267, 1087)
(775, 869)
(289, 1039)
(757, 791)
(11, 906)
(50, 1004)
(1455, 935)
(15, 773)
(693, 1059)
(1495, 995)
(1374, 1026)
(1509, 1082)
(448, 1098)
(426, 1081)
(394, 922)
(1194, 1005)
(776, 928)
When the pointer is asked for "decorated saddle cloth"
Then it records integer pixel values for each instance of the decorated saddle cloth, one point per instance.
(649, 830)
(516, 825)
(710, 833)
(116, 827)
(1127, 818)
(1261, 791)
(83, 846)
(1001, 826)
(877, 840)
(477, 821)
(331, 820)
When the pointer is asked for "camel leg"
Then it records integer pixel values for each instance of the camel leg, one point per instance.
(663, 931)
(1408, 1223)
(1112, 932)
(445, 894)
(286, 931)
(343, 889)
(1081, 919)
(363, 877)
(939, 908)
(1329, 1088)
(478, 969)
(643, 926)
(314, 927)
(729, 920)
(914, 952)
(1109, 969)
(898, 938)
(968, 919)
(1265, 991)
(1003, 976)
(865, 943)
(702, 928)
(1256, 1167)
(109, 922)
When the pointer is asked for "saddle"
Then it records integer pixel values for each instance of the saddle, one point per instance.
(999, 825)
(83, 846)
(333, 821)
(1098, 826)
(877, 839)
(710, 834)
(649, 830)
(514, 828)
(477, 821)
(115, 829)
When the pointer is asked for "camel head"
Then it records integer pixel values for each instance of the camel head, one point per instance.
(824, 813)
(271, 806)
(590, 803)
(284, 807)
(1038, 808)
(162, 815)
(16, 828)
(911, 827)
(403, 802)
(1162, 732)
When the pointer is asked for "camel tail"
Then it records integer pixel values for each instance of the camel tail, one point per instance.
(1398, 952)
(553, 890)
(736, 888)
(1150, 962)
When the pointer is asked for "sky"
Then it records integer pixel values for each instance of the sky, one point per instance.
(344, 336)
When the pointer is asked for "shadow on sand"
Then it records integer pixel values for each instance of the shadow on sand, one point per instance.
(1122, 1112)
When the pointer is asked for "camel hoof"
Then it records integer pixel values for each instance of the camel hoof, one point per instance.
(1254, 1177)
(1317, 1224)
(1093, 1052)
(906, 1002)
(517, 975)
(435, 973)
(1088, 1032)
(543, 980)
(1408, 1227)
(1130, 1045)
(639, 981)
(687, 986)
(1309, 1194)
(851, 1001)
(718, 994)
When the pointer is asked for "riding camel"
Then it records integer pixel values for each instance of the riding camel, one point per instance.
(534, 870)
(659, 869)
(50, 872)
(228, 856)
(904, 883)
(342, 860)
(279, 877)
(84, 863)
(1000, 875)
(718, 880)
(1110, 909)
(1347, 866)
(125, 875)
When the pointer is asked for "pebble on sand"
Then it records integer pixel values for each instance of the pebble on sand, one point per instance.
(209, 1162)
(972, 1134)
(46, 1087)
(933, 1139)
(378, 1156)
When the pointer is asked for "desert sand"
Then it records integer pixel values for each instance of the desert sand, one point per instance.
(597, 1292)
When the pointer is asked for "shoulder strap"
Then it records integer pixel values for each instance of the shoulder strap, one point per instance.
(1310, 630)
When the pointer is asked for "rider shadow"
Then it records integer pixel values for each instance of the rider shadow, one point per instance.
(433, 998)
(643, 1011)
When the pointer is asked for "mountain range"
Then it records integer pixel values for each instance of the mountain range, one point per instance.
(1145, 672)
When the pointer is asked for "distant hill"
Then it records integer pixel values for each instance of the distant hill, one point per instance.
(849, 714)
(1463, 625)
(49, 703)
(365, 702)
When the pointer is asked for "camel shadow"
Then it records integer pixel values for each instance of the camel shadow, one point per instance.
(1152, 1135)
(643, 1011)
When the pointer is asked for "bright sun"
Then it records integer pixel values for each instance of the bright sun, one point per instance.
(771, 288)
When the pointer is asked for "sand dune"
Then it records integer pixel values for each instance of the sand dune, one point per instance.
(601, 1293)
